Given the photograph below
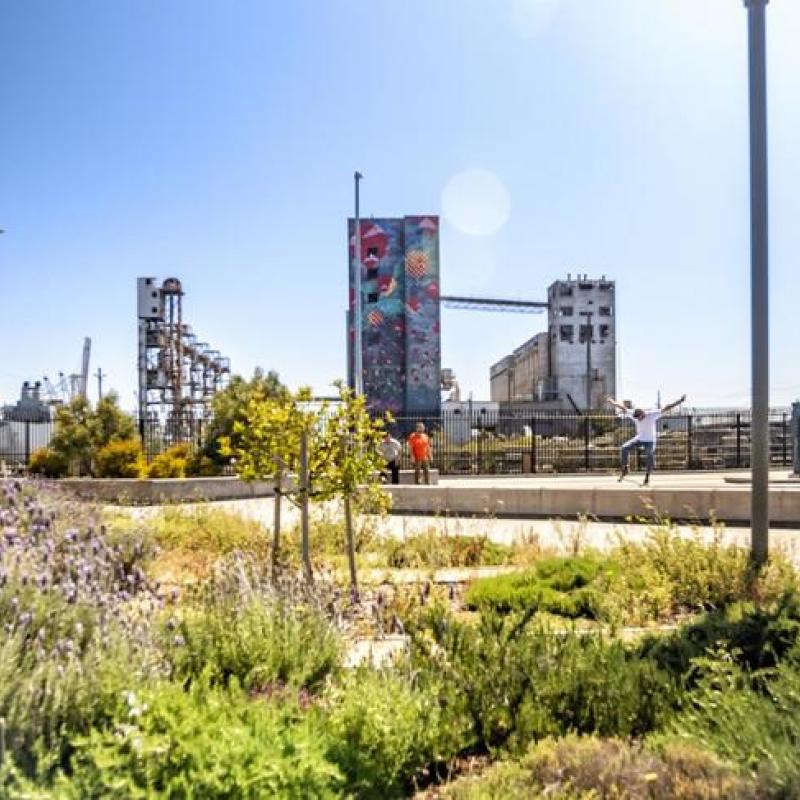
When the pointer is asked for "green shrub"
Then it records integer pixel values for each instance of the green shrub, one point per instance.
(262, 636)
(48, 463)
(671, 574)
(755, 637)
(753, 720)
(383, 731)
(171, 463)
(203, 743)
(587, 768)
(560, 586)
(505, 680)
(432, 549)
(120, 459)
(199, 465)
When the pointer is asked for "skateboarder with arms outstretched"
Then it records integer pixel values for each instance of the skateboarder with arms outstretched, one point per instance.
(646, 434)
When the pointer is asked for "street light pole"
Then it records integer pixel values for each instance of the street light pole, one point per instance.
(358, 376)
(759, 280)
(588, 329)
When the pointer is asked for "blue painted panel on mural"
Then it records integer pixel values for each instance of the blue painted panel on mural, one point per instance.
(423, 351)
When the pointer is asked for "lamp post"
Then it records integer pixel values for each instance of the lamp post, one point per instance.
(759, 280)
(358, 377)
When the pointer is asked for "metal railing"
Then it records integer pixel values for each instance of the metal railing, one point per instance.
(517, 441)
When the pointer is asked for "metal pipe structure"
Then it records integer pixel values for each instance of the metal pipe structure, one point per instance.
(358, 364)
(759, 280)
(588, 329)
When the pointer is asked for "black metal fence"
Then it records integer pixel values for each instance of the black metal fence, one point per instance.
(514, 442)
(485, 442)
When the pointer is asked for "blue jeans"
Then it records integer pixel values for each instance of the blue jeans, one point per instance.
(649, 449)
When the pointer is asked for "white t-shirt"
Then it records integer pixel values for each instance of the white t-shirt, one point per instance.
(647, 427)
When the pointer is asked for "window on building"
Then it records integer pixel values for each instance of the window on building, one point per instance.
(372, 273)
(372, 297)
(586, 286)
(604, 331)
(605, 286)
(605, 311)
(565, 291)
(567, 333)
(372, 252)
(566, 311)
(587, 332)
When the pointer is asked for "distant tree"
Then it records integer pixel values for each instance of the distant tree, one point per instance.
(230, 405)
(81, 431)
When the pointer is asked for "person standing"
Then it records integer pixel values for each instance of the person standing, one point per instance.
(390, 450)
(646, 423)
(420, 445)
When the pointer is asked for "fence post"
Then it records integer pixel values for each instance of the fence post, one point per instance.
(533, 444)
(689, 442)
(586, 424)
(738, 440)
(27, 442)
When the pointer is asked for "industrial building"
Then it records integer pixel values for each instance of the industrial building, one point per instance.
(178, 375)
(401, 350)
(573, 364)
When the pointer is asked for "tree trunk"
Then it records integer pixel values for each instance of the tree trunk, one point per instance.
(304, 522)
(351, 545)
(276, 525)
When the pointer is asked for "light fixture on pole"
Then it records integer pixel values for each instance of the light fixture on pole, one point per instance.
(358, 325)
(759, 281)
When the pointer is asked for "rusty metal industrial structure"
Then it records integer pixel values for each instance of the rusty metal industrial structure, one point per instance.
(178, 375)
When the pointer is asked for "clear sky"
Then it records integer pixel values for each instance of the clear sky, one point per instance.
(216, 141)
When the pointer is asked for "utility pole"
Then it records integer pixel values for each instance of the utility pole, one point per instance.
(358, 366)
(588, 330)
(100, 375)
(759, 280)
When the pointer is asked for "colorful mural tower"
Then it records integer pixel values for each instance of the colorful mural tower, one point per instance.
(401, 347)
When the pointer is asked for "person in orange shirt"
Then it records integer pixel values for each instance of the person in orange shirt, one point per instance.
(420, 444)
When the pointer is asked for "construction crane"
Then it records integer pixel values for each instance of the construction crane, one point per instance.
(70, 386)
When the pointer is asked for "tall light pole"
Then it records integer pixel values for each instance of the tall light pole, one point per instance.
(588, 329)
(759, 280)
(358, 376)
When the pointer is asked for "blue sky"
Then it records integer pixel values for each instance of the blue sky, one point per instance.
(216, 141)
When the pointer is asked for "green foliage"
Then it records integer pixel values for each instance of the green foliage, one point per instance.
(750, 719)
(48, 463)
(432, 549)
(81, 431)
(506, 680)
(171, 463)
(120, 459)
(588, 768)
(199, 465)
(203, 743)
(230, 405)
(207, 529)
(756, 637)
(383, 731)
(560, 586)
(670, 573)
(245, 630)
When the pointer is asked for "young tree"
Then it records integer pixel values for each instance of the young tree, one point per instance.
(266, 442)
(350, 465)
